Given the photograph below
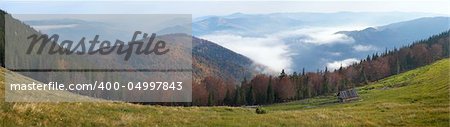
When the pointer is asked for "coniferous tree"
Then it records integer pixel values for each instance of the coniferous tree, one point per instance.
(243, 98)
(210, 99)
(227, 100)
(303, 72)
(398, 68)
(270, 92)
(282, 74)
(326, 87)
(250, 96)
(307, 91)
(363, 76)
(237, 97)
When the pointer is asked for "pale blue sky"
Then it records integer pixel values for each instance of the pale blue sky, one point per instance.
(204, 8)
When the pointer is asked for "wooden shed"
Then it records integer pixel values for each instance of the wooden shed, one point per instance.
(347, 95)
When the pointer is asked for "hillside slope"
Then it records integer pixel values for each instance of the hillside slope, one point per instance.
(208, 58)
(36, 96)
(418, 97)
(415, 98)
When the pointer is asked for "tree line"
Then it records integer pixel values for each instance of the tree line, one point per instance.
(268, 89)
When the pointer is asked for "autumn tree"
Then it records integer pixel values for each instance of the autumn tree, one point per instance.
(259, 85)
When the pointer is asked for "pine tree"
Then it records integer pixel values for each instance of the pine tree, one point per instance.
(364, 76)
(282, 74)
(368, 58)
(237, 97)
(250, 97)
(210, 99)
(270, 92)
(227, 100)
(398, 66)
(243, 97)
(342, 85)
(244, 82)
(307, 91)
(374, 56)
(303, 72)
(446, 49)
(326, 87)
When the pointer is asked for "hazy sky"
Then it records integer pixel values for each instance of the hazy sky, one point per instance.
(258, 49)
(204, 8)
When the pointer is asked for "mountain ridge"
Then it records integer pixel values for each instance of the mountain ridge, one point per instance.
(224, 63)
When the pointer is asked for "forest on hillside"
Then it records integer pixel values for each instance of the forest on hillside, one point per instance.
(266, 89)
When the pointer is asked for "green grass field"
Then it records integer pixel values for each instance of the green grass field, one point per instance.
(416, 98)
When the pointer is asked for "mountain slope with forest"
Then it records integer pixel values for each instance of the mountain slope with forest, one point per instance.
(208, 58)
(267, 89)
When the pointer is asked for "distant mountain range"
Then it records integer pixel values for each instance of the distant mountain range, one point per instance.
(376, 40)
(259, 24)
(300, 35)
(395, 35)
(401, 33)
(318, 40)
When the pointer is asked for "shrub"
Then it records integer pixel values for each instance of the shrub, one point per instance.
(260, 110)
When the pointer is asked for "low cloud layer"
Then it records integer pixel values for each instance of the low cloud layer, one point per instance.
(364, 48)
(344, 63)
(275, 50)
(269, 51)
(52, 27)
(317, 36)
